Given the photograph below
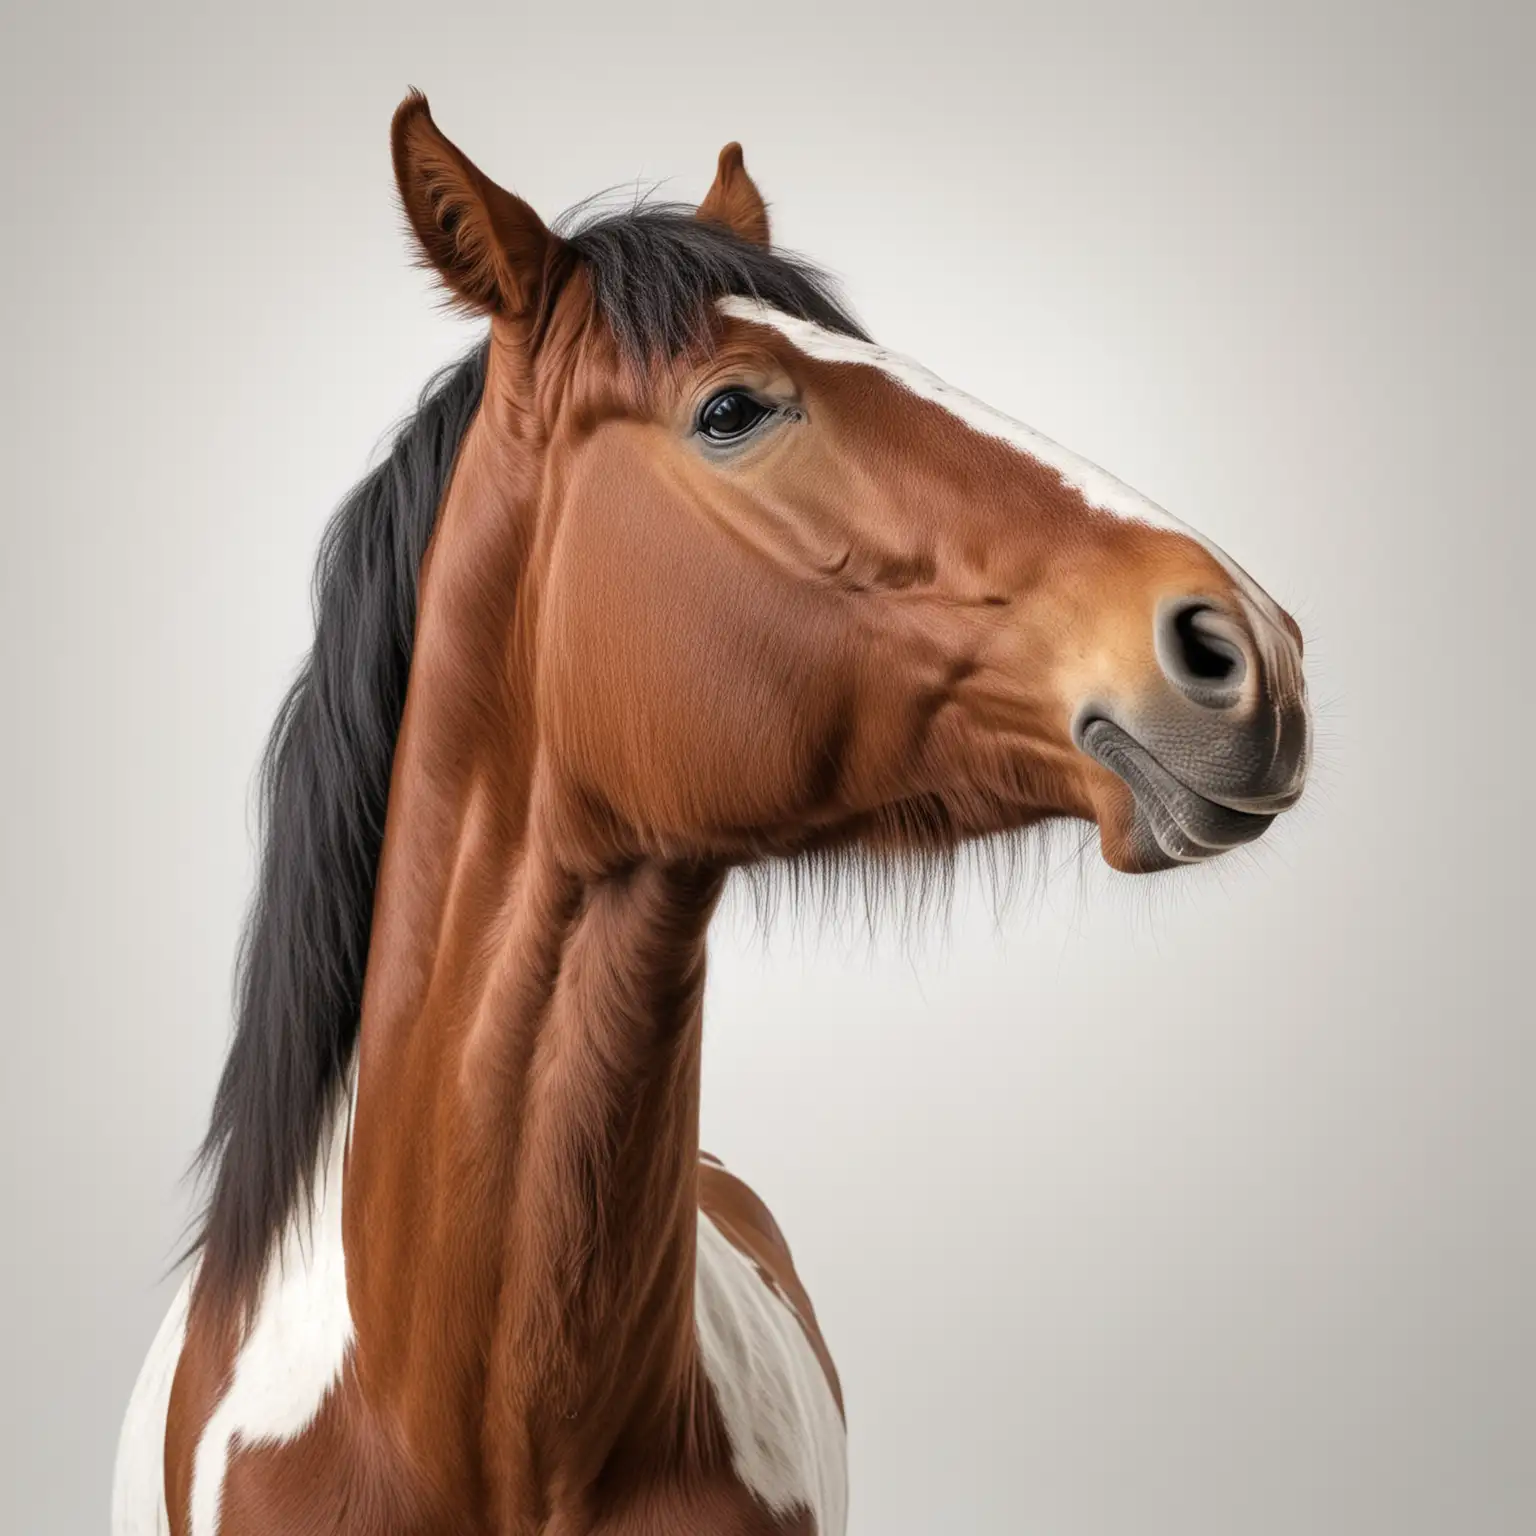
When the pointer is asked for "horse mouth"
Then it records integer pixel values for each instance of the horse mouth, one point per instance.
(1174, 823)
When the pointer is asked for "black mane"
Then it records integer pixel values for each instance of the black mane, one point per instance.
(324, 781)
(657, 272)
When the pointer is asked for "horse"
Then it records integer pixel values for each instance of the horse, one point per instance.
(676, 574)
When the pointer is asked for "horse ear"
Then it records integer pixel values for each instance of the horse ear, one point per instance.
(734, 200)
(490, 248)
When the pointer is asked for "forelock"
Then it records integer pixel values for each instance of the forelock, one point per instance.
(657, 272)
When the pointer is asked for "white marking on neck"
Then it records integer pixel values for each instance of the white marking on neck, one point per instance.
(138, 1476)
(1097, 487)
(298, 1342)
(788, 1442)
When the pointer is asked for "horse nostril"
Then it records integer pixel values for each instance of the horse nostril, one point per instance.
(1211, 662)
(1202, 653)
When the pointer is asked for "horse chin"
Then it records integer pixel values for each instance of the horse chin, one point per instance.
(1151, 820)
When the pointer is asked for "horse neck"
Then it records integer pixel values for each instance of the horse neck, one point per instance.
(521, 1191)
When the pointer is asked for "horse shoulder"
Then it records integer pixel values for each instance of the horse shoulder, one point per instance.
(767, 1363)
(138, 1475)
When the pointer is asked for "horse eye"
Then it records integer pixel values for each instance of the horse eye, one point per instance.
(730, 415)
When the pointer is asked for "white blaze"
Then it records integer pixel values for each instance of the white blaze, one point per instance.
(1098, 488)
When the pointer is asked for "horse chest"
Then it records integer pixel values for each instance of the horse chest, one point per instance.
(786, 1432)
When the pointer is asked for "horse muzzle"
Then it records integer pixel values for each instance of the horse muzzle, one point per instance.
(1217, 742)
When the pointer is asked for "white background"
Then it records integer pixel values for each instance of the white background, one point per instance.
(1190, 1208)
